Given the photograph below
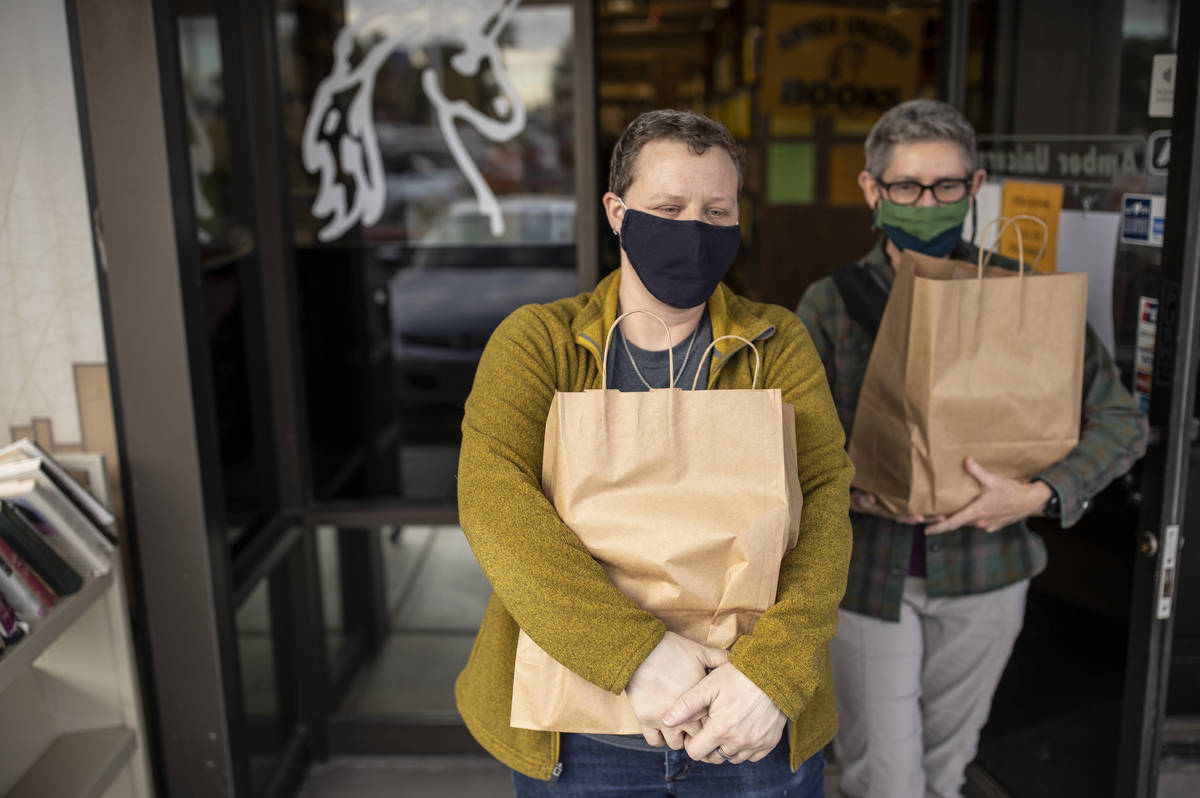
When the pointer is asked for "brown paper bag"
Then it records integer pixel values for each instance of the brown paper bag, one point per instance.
(969, 360)
(689, 499)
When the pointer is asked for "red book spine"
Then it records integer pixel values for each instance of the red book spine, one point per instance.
(28, 575)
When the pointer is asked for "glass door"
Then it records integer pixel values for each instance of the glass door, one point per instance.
(373, 186)
(1160, 734)
(432, 187)
(1082, 705)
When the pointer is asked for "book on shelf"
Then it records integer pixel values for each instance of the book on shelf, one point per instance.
(34, 547)
(35, 597)
(18, 593)
(26, 449)
(12, 628)
(53, 534)
(72, 533)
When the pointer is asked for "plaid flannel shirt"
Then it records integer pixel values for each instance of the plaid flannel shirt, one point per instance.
(1112, 437)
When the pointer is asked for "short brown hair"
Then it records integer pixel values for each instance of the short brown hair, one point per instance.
(698, 132)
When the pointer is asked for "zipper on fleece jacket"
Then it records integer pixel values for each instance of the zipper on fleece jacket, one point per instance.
(556, 754)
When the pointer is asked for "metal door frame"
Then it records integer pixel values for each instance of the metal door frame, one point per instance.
(177, 572)
(1172, 401)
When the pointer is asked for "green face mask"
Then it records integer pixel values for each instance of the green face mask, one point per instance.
(931, 230)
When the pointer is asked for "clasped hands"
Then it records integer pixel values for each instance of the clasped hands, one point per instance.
(687, 695)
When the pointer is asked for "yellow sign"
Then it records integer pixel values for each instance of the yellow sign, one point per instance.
(842, 62)
(845, 162)
(741, 115)
(723, 73)
(1043, 200)
(792, 125)
(750, 41)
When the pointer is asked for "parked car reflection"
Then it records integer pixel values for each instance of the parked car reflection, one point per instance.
(462, 282)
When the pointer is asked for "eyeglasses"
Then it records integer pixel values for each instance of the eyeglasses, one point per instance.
(909, 192)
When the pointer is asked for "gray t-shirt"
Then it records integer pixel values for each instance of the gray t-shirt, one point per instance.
(623, 377)
(624, 356)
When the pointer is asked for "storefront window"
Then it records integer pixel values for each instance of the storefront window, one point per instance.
(228, 261)
(430, 153)
(1086, 153)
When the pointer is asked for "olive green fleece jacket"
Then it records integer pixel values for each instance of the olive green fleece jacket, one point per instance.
(545, 582)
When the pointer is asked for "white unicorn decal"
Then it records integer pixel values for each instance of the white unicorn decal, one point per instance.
(345, 141)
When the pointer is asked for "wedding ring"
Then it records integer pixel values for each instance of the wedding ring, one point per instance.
(721, 753)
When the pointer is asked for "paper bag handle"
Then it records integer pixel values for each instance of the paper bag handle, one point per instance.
(1010, 220)
(608, 343)
(753, 348)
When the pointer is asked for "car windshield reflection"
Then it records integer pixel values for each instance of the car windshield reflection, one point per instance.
(461, 282)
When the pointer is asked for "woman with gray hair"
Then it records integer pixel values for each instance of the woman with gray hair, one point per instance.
(934, 605)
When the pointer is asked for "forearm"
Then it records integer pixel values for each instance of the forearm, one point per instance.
(1113, 436)
(786, 652)
(554, 589)
(549, 583)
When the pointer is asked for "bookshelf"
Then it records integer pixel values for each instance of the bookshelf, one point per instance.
(70, 714)
(83, 764)
(16, 659)
(72, 718)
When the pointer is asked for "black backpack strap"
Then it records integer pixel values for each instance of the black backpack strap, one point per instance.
(862, 293)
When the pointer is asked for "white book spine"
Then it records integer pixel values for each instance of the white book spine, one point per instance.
(63, 540)
(101, 513)
(29, 451)
(20, 469)
(79, 524)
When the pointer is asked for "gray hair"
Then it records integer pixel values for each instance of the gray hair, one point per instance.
(918, 120)
(698, 132)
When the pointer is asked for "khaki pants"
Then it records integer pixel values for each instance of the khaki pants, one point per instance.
(914, 695)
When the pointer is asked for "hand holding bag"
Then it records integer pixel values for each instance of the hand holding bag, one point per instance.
(969, 360)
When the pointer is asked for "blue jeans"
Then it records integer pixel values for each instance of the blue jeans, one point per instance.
(591, 768)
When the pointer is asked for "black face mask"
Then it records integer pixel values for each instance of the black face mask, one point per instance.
(679, 261)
